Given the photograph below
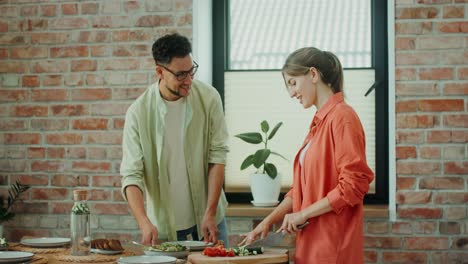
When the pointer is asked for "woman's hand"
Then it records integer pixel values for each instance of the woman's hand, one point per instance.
(260, 231)
(292, 221)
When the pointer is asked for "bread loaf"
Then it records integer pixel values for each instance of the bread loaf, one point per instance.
(106, 244)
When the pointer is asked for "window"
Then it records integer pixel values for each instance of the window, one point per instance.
(251, 41)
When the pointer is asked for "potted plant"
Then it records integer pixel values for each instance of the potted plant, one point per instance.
(265, 182)
(6, 206)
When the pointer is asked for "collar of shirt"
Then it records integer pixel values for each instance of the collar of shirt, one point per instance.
(323, 112)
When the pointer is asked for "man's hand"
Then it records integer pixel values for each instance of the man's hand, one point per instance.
(149, 234)
(209, 229)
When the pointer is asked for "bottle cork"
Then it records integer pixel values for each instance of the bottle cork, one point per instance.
(80, 195)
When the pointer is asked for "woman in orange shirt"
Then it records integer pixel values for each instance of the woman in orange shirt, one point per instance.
(331, 175)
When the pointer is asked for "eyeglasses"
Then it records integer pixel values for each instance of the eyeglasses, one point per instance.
(182, 75)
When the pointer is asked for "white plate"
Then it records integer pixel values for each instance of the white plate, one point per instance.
(175, 254)
(273, 203)
(105, 252)
(147, 260)
(46, 242)
(193, 245)
(15, 256)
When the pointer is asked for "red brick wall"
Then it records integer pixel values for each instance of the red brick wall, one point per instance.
(70, 69)
(68, 72)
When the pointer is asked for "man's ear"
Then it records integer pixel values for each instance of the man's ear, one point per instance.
(159, 72)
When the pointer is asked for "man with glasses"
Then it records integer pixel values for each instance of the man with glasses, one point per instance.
(174, 151)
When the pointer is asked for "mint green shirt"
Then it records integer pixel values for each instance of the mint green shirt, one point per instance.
(205, 142)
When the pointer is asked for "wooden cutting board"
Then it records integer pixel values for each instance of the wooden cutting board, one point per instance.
(270, 256)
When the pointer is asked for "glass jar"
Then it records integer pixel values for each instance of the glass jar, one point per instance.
(80, 225)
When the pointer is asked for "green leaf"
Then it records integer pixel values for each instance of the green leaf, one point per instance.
(271, 170)
(265, 127)
(247, 162)
(260, 157)
(279, 155)
(273, 132)
(253, 137)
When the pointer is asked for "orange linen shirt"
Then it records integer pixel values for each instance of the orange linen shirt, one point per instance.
(334, 167)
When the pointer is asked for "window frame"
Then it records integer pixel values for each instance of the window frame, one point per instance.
(379, 45)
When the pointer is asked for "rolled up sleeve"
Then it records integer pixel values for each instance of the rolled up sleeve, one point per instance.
(131, 167)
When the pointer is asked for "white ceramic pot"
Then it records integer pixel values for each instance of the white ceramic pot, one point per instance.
(265, 190)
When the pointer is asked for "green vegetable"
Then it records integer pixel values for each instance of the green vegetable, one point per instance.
(80, 208)
(245, 251)
(168, 247)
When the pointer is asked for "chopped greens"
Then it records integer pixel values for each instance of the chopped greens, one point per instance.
(168, 247)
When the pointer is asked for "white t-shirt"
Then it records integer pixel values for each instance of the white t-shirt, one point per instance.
(173, 154)
(303, 152)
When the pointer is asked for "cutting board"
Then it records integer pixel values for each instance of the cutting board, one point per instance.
(270, 256)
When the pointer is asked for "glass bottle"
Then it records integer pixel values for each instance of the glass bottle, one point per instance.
(80, 225)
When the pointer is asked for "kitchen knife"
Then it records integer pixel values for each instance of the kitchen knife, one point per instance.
(273, 238)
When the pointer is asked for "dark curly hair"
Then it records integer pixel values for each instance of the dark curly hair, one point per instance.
(170, 46)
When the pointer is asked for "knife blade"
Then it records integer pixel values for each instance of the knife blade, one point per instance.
(273, 238)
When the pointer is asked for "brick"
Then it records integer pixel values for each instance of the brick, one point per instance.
(50, 38)
(110, 209)
(431, 43)
(74, 79)
(436, 2)
(406, 106)
(455, 89)
(69, 9)
(410, 137)
(76, 153)
(132, 6)
(74, 51)
(451, 198)
(27, 111)
(97, 153)
(112, 138)
(13, 95)
(55, 153)
(405, 74)
(438, 136)
(61, 207)
(119, 64)
(28, 52)
(48, 10)
(155, 21)
(413, 197)
(50, 66)
(111, 21)
(91, 94)
(430, 152)
(36, 153)
(94, 79)
(118, 123)
(33, 25)
(48, 95)
(455, 213)
(453, 58)
(416, 58)
(127, 93)
(436, 74)
(90, 124)
(456, 167)
(419, 213)
(449, 257)
(3, 54)
(12, 67)
(11, 165)
(9, 11)
(13, 124)
(439, 183)
(89, 8)
(51, 80)
(382, 242)
(416, 13)
(402, 228)
(183, 5)
(111, 7)
(30, 81)
(405, 152)
(422, 227)
(50, 194)
(28, 11)
(83, 65)
(12, 38)
(34, 179)
(416, 121)
(3, 26)
(412, 28)
(93, 36)
(69, 23)
(100, 51)
(89, 166)
(462, 73)
(114, 78)
(13, 153)
(118, 196)
(449, 228)
(114, 153)
(453, 11)
(456, 120)
(131, 50)
(454, 153)
(404, 183)
(106, 181)
(138, 78)
(49, 124)
(48, 222)
(453, 27)
(64, 139)
(69, 180)
(460, 243)
(377, 227)
(404, 257)
(49, 165)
